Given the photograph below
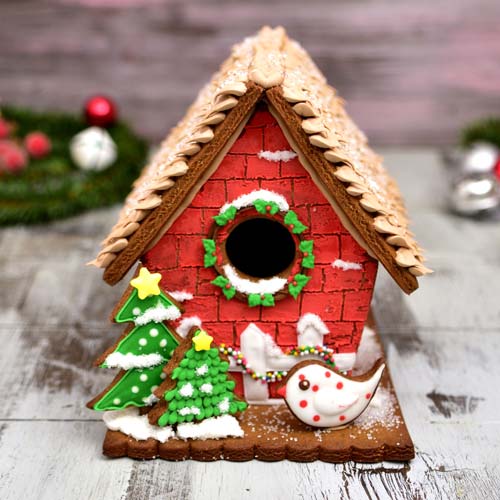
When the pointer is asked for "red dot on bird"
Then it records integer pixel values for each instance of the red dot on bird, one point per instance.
(340, 385)
(342, 418)
(316, 418)
(315, 388)
(368, 395)
(303, 403)
(302, 377)
(328, 374)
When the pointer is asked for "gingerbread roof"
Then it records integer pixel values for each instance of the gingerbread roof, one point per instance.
(272, 67)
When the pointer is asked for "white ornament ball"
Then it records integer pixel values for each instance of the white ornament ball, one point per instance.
(480, 158)
(93, 149)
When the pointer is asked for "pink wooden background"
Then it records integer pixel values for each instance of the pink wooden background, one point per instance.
(413, 72)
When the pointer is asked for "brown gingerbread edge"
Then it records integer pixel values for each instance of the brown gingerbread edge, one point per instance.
(361, 220)
(198, 163)
(391, 445)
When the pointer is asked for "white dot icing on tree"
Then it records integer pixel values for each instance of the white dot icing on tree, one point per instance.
(202, 370)
(143, 377)
(242, 285)
(246, 200)
(224, 405)
(163, 376)
(158, 314)
(137, 426)
(193, 410)
(136, 311)
(135, 389)
(117, 401)
(346, 265)
(186, 391)
(211, 428)
(153, 389)
(153, 332)
(163, 342)
(129, 360)
(277, 156)
(143, 342)
(207, 388)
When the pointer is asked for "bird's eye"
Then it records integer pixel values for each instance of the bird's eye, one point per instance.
(304, 385)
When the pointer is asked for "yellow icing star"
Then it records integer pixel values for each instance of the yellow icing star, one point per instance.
(146, 283)
(202, 341)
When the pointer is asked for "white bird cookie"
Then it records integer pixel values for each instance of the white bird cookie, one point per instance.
(321, 397)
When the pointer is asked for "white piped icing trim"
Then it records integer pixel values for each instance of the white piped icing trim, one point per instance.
(129, 360)
(137, 426)
(346, 266)
(181, 295)
(158, 314)
(246, 200)
(311, 330)
(271, 285)
(150, 400)
(211, 428)
(187, 323)
(277, 156)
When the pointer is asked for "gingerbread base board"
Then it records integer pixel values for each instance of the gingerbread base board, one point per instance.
(273, 434)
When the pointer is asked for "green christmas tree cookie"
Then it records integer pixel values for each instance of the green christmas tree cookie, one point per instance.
(199, 387)
(142, 352)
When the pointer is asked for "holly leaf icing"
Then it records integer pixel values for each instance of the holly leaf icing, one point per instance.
(298, 283)
(294, 223)
(306, 247)
(256, 299)
(210, 258)
(222, 282)
(226, 216)
(262, 207)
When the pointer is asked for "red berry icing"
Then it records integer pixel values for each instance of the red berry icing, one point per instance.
(302, 377)
(316, 418)
(228, 286)
(496, 169)
(303, 403)
(340, 385)
(342, 418)
(368, 395)
(315, 388)
(328, 374)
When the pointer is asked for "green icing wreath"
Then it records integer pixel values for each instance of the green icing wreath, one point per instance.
(53, 187)
(305, 246)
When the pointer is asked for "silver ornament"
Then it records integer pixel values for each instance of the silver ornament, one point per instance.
(480, 158)
(93, 149)
(475, 195)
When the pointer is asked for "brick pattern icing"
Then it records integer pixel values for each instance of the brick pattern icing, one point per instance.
(341, 298)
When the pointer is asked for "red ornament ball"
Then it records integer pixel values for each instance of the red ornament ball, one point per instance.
(5, 128)
(496, 169)
(37, 144)
(13, 159)
(100, 111)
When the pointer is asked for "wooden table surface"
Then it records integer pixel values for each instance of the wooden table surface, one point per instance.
(443, 346)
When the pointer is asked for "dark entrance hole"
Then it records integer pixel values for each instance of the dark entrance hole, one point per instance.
(260, 247)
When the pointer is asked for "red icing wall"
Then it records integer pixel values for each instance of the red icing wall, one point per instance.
(341, 298)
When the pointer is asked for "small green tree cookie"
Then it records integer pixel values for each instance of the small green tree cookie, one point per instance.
(142, 352)
(202, 388)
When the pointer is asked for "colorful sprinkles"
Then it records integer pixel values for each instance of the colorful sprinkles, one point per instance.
(325, 353)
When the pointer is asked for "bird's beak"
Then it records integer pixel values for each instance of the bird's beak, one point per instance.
(282, 391)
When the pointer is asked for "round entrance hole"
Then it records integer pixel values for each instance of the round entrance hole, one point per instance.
(260, 248)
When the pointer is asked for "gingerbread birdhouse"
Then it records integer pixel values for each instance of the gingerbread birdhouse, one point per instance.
(267, 215)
